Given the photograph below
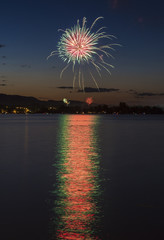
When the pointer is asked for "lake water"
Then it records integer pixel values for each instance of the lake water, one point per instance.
(82, 177)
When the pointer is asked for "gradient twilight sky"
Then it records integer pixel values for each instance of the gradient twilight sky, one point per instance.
(29, 32)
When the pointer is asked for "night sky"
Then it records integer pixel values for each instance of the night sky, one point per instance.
(29, 32)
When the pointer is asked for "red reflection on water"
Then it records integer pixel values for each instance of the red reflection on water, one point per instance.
(79, 179)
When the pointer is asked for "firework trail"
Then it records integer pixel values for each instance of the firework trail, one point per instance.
(79, 46)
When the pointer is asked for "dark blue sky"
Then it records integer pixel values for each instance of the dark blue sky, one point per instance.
(29, 31)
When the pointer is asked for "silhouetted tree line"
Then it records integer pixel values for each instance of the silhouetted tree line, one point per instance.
(123, 108)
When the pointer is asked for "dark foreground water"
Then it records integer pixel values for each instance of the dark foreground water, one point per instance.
(81, 177)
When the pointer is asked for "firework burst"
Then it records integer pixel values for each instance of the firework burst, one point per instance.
(89, 100)
(79, 46)
(66, 101)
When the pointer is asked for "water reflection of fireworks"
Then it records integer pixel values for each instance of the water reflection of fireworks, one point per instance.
(77, 190)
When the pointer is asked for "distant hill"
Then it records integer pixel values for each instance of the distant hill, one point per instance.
(19, 104)
(18, 100)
